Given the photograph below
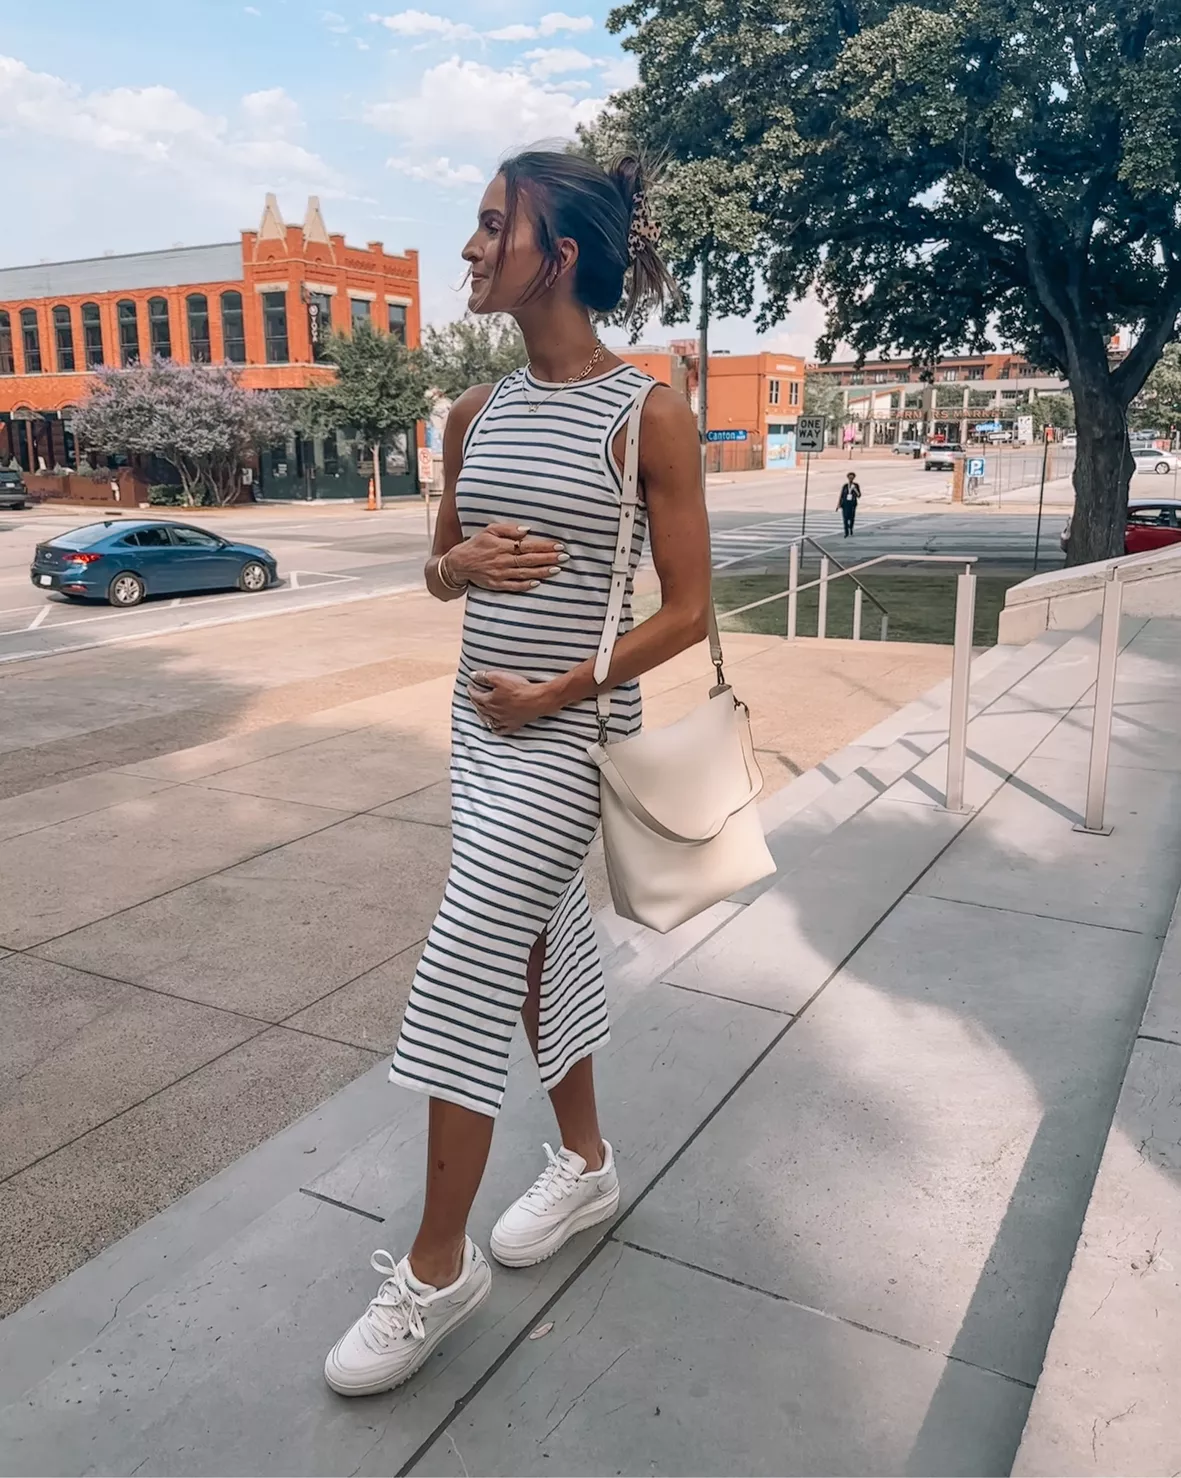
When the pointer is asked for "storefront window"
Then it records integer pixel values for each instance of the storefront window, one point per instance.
(359, 311)
(274, 326)
(397, 320)
(128, 332)
(92, 335)
(7, 365)
(159, 331)
(197, 312)
(31, 341)
(233, 327)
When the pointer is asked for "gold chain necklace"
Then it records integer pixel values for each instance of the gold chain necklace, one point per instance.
(536, 405)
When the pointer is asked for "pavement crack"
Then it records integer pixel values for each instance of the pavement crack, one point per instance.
(625, 1351)
(118, 1306)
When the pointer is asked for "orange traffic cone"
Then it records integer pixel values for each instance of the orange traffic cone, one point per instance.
(372, 494)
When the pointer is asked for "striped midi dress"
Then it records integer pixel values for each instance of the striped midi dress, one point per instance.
(525, 806)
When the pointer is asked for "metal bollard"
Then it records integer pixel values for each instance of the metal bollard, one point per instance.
(961, 688)
(793, 589)
(857, 613)
(822, 608)
(885, 636)
(1113, 601)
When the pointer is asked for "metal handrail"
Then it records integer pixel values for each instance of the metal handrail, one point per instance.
(961, 663)
(1109, 634)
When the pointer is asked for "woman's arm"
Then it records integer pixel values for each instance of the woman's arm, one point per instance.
(499, 557)
(670, 468)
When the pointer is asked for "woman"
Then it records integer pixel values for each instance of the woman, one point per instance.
(527, 533)
(847, 503)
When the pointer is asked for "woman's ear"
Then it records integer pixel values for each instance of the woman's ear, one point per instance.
(567, 256)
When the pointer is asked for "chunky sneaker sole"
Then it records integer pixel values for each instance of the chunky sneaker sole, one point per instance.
(347, 1383)
(602, 1208)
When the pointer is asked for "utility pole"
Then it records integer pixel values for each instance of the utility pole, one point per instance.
(1041, 498)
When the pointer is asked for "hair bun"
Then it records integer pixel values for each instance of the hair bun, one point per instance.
(627, 175)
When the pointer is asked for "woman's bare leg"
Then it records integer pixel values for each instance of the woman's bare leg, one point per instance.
(458, 1141)
(574, 1097)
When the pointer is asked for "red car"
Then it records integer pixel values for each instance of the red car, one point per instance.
(1151, 525)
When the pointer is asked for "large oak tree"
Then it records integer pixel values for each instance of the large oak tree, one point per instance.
(956, 174)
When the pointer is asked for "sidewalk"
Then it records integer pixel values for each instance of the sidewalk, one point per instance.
(858, 1115)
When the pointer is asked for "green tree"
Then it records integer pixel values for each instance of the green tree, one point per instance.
(472, 351)
(1052, 410)
(951, 174)
(380, 388)
(824, 398)
(1158, 406)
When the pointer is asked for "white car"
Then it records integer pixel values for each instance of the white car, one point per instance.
(1149, 459)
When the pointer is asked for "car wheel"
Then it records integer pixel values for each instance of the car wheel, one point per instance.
(253, 577)
(1161, 468)
(927, 467)
(126, 590)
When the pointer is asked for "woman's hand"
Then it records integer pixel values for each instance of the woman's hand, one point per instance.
(507, 702)
(502, 557)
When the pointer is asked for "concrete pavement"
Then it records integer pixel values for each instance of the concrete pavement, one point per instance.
(858, 1115)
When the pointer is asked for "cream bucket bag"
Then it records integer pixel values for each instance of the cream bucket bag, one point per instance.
(680, 821)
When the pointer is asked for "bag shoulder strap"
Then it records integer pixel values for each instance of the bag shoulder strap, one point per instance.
(621, 563)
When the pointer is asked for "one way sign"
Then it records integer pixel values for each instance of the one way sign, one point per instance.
(810, 434)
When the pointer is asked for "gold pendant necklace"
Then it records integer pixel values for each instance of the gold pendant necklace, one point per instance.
(536, 405)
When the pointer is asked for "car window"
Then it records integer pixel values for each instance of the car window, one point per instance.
(1145, 517)
(91, 533)
(193, 538)
(6, 475)
(149, 539)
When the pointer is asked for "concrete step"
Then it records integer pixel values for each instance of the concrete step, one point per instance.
(1107, 1400)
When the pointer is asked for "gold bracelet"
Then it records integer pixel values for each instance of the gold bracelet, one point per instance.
(445, 580)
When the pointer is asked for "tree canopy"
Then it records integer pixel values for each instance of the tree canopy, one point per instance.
(1158, 406)
(379, 389)
(472, 351)
(948, 175)
(197, 417)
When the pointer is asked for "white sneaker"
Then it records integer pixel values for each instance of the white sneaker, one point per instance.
(564, 1199)
(403, 1324)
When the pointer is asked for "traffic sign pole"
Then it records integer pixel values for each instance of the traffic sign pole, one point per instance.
(807, 471)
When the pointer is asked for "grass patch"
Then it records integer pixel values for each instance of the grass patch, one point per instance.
(921, 606)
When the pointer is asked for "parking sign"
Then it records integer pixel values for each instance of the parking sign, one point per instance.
(975, 466)
(810, 434)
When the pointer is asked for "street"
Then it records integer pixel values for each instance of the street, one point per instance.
(329, 557)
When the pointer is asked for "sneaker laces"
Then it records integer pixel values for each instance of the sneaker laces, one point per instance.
(554, 1184)
(395, 1311)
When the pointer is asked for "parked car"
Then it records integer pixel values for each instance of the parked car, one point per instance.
(1150, 459)
(1070, 439)
(908, 448)
(13, 493)
(943, 458)
(1151, 525)
(124, 562)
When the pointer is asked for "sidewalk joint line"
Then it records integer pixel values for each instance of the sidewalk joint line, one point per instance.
(1165, 1041)
(341, 1205)
(1027, 913)
(714, 995)
(795, 1303)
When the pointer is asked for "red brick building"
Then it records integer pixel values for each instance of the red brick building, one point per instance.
(264, 303)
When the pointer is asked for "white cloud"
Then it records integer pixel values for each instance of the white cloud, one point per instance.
(422, 23)
(272, 112)
(619, 72)
(558, 20)
(513, 33)
(252, 10)
(334, 23)
(489, 108)
(552, 61)
(439, 171)
(158, 127)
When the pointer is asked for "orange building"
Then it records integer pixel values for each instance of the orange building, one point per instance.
(264, 304)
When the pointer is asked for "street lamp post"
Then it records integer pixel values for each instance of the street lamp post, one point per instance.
(1041, 498)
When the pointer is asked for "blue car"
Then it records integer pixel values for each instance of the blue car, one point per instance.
(124, 562)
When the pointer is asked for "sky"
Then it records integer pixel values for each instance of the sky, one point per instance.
(135, 125)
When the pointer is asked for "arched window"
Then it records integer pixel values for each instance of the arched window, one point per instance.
(128, 332)
(233, 328)
(92, 335)
(63, 338)
(197, 309)
(7, 364)
(159, 332)
(31, 341)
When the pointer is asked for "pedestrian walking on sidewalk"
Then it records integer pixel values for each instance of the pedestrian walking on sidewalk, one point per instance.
(848, 501)
(527, 533)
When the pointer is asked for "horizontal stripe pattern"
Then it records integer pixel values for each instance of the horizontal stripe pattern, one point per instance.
(525, 808)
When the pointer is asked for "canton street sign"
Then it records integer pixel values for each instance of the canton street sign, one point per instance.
(810, 434)
(725, 436)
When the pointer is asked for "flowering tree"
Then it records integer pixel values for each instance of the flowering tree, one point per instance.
(197, 417)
